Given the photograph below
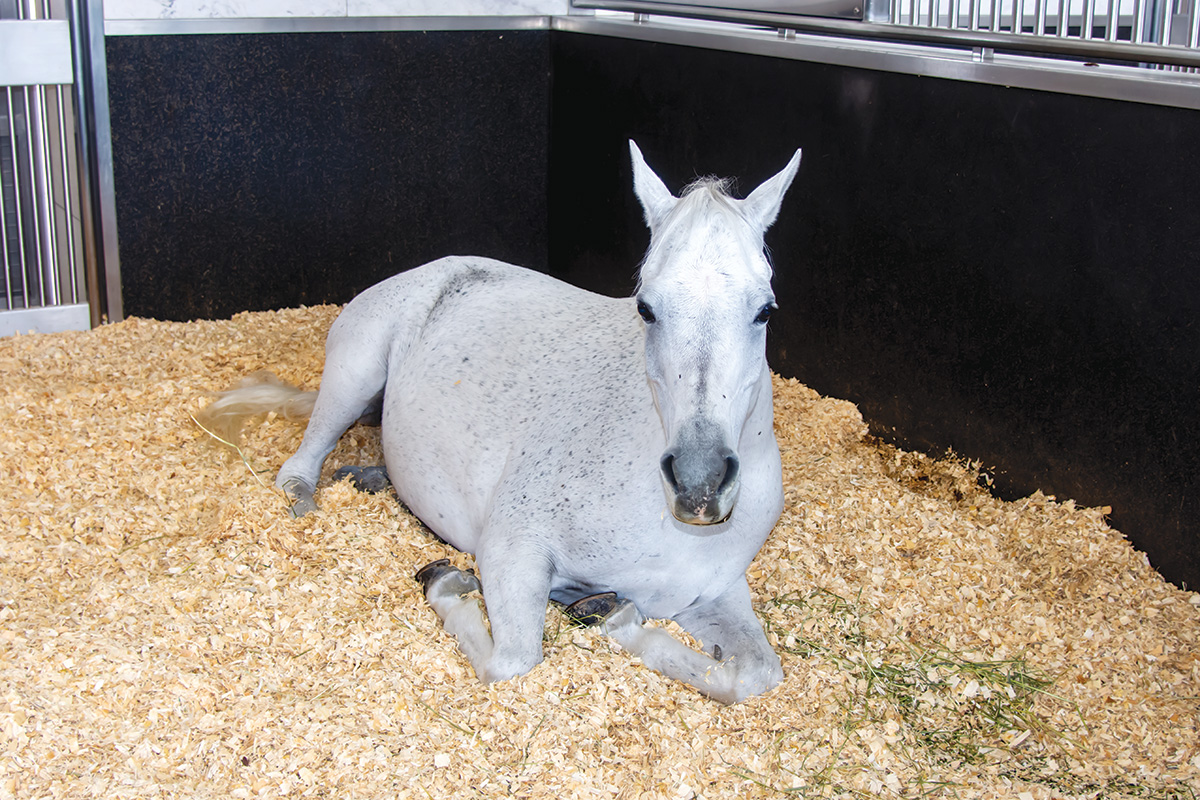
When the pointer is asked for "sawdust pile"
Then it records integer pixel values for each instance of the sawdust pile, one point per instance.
(167, 631)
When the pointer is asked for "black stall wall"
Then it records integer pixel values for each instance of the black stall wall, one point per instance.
(273, 170)
(1009, 273)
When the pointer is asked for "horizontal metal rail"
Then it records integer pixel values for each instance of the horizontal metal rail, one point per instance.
(1081, 49)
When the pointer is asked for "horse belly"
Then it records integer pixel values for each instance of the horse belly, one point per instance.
(495, 371)
(444, 455)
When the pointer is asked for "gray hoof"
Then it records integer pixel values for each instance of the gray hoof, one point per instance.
(366, 479)
(300, 495)
(448, 578)
(302, 505)
(592, 610)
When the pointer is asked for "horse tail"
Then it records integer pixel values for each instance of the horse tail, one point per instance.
(259, 393)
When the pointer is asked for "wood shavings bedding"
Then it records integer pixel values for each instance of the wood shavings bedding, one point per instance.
(166, 630)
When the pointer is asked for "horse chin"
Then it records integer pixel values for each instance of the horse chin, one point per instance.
(700, 521)
(701, 516)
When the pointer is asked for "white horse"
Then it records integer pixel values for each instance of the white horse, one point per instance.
(614, 455)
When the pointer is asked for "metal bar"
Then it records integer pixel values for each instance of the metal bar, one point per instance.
(12, 142)
(1039, 25)
(239, 25)
(97, 194)
(4, 217)
(43, 231)
(1064, 18)
(1163, 29)
(1194, 33)
(1139, 22)
(1114, 21)
(1089, 19)
(17, 180)
(47, 215)
(72, 262)
(882, 32)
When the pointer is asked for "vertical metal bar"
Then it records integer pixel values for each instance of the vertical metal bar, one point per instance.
(1064, 17)
(1163, 34)
(43, 240)
(954, 21)
(28, 151)
(973, 21)
(1089, 19)
(1138, 33)
(1018, 21)
(48, 216)
(12, 142)
(1113, 25)
(97, 194)
(1194, 33)
(7, 260)
(71, 260)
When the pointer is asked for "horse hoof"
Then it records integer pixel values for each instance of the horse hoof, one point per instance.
(302, 505)
(366, 479)
(456, 581)
(592, 610)
(299, 496)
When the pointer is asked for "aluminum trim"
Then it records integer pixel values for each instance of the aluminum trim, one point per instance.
(1112, 82)
(841, 9)
(49, 319)
(34, 52)
(250, 25)
(912, 34)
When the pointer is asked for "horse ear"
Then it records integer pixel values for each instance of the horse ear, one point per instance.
(762, 206)
(652, 193)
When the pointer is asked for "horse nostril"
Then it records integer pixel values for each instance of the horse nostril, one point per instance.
(667, 465)
(731, 473)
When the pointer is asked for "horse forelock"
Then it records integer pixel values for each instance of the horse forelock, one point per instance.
(699, 202)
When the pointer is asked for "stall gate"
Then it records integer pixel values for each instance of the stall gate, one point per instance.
(41, 235)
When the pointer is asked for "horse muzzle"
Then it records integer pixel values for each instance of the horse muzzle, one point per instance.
(701, 487)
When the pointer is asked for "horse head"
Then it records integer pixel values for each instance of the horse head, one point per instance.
(705, 295)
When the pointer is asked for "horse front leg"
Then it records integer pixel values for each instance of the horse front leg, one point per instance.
(515, 596)
(738, 662)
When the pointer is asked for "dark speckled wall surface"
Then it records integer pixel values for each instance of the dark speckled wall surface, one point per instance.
(1013, 274)
(273, 170)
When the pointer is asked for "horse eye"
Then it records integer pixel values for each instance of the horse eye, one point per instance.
(647, 314)
(765, 313)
